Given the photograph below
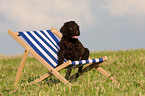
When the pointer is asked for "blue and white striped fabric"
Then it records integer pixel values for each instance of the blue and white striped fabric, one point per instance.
(46, 44)
(87, 61)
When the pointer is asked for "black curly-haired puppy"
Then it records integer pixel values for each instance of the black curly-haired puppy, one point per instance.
(70, 47)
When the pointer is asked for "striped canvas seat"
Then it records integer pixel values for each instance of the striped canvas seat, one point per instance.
(46, 44)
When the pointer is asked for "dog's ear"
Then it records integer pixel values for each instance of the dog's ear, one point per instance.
(64, 29)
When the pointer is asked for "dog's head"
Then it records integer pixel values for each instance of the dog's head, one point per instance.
(70, 29)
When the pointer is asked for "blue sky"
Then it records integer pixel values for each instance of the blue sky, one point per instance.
(104, 24)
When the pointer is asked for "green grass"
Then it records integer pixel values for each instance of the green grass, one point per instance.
(128, 67)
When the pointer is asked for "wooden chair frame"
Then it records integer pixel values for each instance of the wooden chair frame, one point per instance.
(52, 71)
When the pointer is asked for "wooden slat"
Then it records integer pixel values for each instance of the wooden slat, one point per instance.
(57, 33)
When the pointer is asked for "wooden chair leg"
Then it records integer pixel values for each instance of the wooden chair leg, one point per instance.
(41, 78)
(25, 55)
(107, 75)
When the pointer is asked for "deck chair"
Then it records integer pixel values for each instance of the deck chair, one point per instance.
(44, 46)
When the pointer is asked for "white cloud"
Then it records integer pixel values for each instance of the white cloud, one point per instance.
(29, 14)
(121, 8)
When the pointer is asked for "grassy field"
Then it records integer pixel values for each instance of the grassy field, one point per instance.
(127, 66)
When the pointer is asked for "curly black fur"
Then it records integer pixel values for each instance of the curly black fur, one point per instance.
(71, 48)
